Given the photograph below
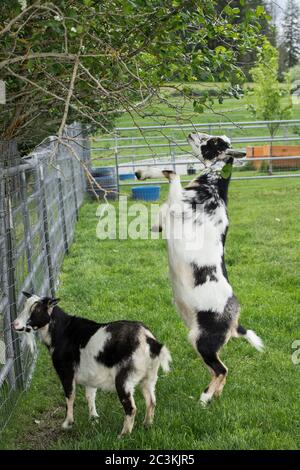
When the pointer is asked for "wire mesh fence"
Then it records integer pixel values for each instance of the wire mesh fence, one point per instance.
(39, 200)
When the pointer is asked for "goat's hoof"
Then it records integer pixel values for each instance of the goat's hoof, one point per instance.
(205, 400)
(67, 425)
(147, 424)
(203, 403)
(94, 418)
(124, 434)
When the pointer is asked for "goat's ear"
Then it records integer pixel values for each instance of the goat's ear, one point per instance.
(27, 295)
(53, 302)
(223, 143)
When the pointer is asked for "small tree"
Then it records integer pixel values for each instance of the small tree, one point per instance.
(268, 103)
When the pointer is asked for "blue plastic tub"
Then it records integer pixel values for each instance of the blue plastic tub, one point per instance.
(106, 178)
(127, 176)
(103, 171)
(146, 193)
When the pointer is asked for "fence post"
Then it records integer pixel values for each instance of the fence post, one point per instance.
(62, 209)
(12, 338)
(173, 159)
(74, 186)
(8, 220)
(75, 146)
(84, 158)
(76, 133)
(7, 331)
(133, 157)
(83, 165)
(87, 149)
(117, 163)
(87, 155)
(27, 229)
(46, 229)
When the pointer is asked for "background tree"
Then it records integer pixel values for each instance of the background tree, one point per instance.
(246, 8)
(291, 34)
(90, 61)
(268, 94)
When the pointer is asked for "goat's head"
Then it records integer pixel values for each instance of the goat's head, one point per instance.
(212, 149)
(35, 314)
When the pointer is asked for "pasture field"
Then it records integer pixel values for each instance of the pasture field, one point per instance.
(115, 279)
(173, 109)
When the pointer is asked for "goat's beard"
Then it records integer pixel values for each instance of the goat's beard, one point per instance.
(30, 341)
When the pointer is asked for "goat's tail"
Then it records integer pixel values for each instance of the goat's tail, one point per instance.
(251, 337)
(165, 359)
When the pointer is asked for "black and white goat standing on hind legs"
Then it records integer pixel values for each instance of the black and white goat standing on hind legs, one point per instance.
(195, 223)
(115, 356)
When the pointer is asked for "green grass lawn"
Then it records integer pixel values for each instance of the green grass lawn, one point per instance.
(117, 279)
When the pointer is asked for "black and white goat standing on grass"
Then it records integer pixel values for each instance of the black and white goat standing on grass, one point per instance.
(114, 356)
(195, 221)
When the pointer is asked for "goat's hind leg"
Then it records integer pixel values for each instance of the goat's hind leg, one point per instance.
(148, 389)
(125, 393)
(208, 350)
(219, 373)
(90, 394)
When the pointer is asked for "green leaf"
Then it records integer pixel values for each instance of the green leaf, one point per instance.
(228, 10)
(220, 49)
(226, 171)
(260, 10)
(198, 108)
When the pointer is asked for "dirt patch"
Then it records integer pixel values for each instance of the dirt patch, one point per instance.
(44, 431)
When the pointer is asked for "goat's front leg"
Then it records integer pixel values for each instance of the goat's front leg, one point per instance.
(175, 189)
(65, 372)
(174, 202)
(174, 196)
(149, 172)
(161, 218)
(153, 172)
(69, 389)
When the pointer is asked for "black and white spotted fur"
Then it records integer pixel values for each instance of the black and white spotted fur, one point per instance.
(110, 356)
(202, 292)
